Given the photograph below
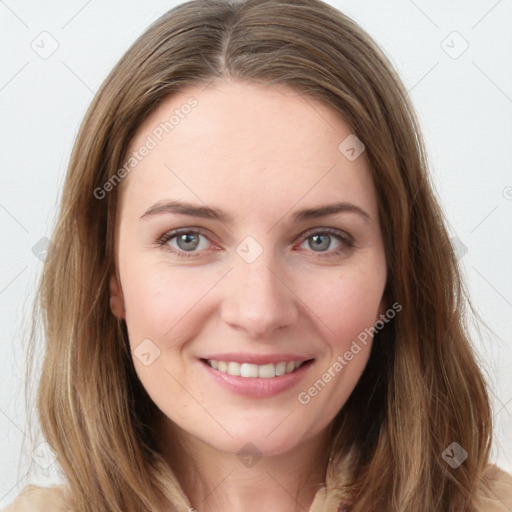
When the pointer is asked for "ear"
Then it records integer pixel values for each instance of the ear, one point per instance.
(116, 298)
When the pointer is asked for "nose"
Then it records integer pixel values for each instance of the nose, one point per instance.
(258, 297)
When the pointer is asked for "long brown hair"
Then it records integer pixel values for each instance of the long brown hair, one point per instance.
(422, 388)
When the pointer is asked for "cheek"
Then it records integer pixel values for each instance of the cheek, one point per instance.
(149, 300)
(158, 299)
(347, 304)
(162, 309)
(347, 308)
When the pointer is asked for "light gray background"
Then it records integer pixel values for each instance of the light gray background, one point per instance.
(464, 102)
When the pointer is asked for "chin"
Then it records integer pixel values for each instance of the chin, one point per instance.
(260, 443)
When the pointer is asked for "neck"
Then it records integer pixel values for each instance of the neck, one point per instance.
(217, 481)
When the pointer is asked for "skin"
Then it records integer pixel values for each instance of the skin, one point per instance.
(259, 153)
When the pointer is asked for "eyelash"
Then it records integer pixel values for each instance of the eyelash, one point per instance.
(347, 241)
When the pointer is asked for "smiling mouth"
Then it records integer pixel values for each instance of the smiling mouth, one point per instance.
(247, 370)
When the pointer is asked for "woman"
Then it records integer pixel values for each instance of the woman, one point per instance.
(251, 300)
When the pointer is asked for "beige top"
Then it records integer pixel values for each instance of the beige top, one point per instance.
(495, 496)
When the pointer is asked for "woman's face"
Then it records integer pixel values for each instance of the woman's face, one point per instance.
(261, 273)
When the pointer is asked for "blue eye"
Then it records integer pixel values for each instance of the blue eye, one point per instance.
(321, 239)
(188, 242)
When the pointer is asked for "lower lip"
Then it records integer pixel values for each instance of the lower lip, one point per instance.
(257, 387)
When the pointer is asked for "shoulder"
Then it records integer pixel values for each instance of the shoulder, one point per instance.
(495, 490)
(33, 498)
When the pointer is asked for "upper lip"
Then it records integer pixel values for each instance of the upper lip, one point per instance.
(258, 359)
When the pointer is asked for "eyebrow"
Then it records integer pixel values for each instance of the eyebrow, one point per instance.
(205, 212)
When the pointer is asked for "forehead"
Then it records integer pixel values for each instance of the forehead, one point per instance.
(249, 144)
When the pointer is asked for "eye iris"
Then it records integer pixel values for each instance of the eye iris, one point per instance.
(190, 241)
(323, 244)
(186, 238)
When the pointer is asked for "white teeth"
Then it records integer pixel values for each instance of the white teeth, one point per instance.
(248, 370)
(264, 371)
(280, 369)
(267, 371)
(233, 368)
